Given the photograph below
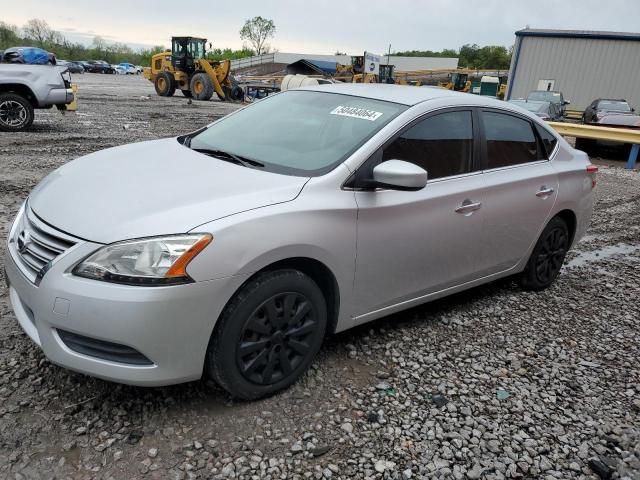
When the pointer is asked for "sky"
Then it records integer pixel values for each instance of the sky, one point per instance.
(323, 26)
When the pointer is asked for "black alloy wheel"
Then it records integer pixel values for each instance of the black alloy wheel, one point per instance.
(268, 334)
(16, 112)
(276, 338)
(547, 257)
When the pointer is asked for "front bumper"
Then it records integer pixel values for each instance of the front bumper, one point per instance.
(170, 326)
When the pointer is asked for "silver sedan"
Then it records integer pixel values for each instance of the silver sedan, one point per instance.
(235, 250)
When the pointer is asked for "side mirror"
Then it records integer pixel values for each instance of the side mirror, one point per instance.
(399, 175)
(566, 102)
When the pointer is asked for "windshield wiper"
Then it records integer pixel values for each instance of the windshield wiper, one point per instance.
(229, 157)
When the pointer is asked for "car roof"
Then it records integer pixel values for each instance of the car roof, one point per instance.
(403, 94)
(532, 102)
(611, 100)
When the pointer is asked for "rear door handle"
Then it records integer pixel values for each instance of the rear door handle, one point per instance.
(544, 192)
(468, 207)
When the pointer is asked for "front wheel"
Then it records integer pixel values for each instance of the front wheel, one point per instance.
(267, 335)
(201, 86)
(547, 257)
(16, 112)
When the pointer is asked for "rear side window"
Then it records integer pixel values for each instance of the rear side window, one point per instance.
(510, 140)
(549, 141)
(441, 144)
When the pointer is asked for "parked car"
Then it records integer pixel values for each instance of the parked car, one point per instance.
(28, 55)
(611, 113)
(234, 258)
(128, 68)
(139, 68)
(550, 96)
(24, 88)
(604, 112)
(85, 64)
(73, 67)
(545, 110)
(100, 66)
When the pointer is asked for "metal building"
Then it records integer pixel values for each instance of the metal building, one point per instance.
(582, 65)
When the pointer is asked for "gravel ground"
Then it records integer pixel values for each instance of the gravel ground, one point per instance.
(492, 383)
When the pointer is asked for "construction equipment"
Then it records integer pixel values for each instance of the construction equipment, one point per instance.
(458, 82)
(355, 73)
(186, 68)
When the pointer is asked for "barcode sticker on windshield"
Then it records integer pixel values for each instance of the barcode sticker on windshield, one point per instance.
(355, 112)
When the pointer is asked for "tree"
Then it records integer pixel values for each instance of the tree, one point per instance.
(8, 35)
(40, 32)
(256, 31)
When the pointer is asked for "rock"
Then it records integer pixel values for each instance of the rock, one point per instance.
(407, 474)
(153, 452)
(475, 473)
(383, 465)
(347, 427)
(134, 437)
(439, 400)
(320, 450)
(600, 468)
(373, 417)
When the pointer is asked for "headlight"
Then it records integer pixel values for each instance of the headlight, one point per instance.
(150, 262)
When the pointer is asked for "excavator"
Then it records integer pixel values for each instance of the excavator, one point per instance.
(185, 67)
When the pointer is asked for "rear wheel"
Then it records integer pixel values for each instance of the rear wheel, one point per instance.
(587, 145)
(201, 86)
(268, 334)
(16, 113)
(165, 84)
(547, 257)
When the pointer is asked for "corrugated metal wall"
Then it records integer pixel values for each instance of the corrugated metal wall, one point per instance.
(583, 68)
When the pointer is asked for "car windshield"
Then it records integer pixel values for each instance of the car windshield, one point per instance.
(302, 133)
(542, 95)
(614, 106)
(536, 107)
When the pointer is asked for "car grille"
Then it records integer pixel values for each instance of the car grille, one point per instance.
(35, 245)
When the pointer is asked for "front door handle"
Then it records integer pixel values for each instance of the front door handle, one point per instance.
(544, 192)
(468, 207)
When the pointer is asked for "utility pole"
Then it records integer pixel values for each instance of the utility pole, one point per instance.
(389, 54)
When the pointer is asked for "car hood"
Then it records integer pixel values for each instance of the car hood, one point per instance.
(619, 119)
(152, 188)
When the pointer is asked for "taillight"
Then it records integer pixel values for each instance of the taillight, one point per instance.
(592, 170)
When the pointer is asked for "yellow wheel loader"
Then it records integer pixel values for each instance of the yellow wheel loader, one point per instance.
(186, 68)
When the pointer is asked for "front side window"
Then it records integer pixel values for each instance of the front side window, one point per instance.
(441, 144)
(510, 140)
(299, 132)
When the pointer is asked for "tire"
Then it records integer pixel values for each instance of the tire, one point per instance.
(547, 256)
(587, 145)
(165, 84)
(16, 113)
(201, 86)
(187, 93)
(253, 318)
